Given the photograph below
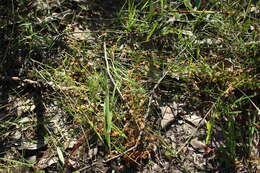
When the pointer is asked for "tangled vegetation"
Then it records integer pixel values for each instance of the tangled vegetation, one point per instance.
(78, 75)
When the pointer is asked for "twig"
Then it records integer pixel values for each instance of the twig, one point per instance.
(258, 110)
(111, 77)
(149, 105)
(199, 11)
(87, 167)
(193, 11)
(194, 132)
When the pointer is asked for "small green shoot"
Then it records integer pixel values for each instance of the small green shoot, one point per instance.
(209, 131)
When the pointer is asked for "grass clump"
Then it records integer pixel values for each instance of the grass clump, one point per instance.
(105, 65)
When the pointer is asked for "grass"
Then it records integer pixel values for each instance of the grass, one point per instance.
(104, 92)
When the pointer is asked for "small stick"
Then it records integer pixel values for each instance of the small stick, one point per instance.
(194, 132)
(111, 77)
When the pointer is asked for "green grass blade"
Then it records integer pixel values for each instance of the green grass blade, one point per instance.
(152, 31)
(17, 162)
(108, 121)
(209, 130)
(210, 125)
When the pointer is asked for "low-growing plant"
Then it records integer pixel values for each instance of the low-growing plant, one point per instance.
(107, 82)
